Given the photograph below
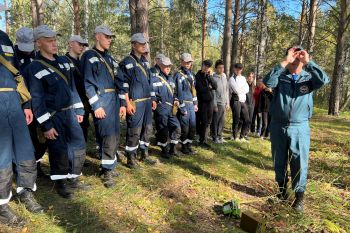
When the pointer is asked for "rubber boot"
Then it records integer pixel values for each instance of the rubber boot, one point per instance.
(131, 162)
(27, 198)
(298, 204)
(75, 183)
(145, 158)
(62, 189)
(107, 177)
(8, 217)
(172, 151)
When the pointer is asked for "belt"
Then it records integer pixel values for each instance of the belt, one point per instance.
(5, 89)
(62, 110)
(107, 90)
(141, 100)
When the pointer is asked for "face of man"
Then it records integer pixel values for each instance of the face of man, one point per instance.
(186, 65)
(104, 41)
(259, 83)
(76, 47)
(47, 45)
(165, 69)
(139, 47)
(238, 71)
(220, 69)
(205, 69)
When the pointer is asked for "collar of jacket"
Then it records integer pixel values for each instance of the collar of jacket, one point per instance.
(51, 62)
(103, 53)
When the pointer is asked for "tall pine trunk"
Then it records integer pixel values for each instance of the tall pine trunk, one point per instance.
(312, 26)
(76, 12)
(204, 27)
(262, 38)
(139, 16)
(226, 44)
(234, 49)
(302, 23)
(339, 63)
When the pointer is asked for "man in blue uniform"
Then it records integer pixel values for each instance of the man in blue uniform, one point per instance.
(140, 100)
(167, 124)
(102, 88)
(26, 54)
(186, 93)
(16, 146)
(293, 82)
(57, 108)
(76, 46)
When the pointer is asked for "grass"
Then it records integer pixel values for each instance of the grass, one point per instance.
(185, 194)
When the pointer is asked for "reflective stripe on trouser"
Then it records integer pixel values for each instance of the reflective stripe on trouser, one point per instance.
(188, 124)
(167, 125)
(108, 129)
(139, 127)
(67, 151)
(16, 147)
(291, 144)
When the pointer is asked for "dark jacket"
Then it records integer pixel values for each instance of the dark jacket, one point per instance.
(265, 98)
(205, 84)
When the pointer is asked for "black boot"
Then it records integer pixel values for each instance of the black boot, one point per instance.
(172, 150)
(40, 171)
(131, 162)
(145, 158)
(75, 183)
(189, 148)
(185, 149)
(165, 152)
(107, 177)
(298, 204)
(27, 198)
(8, 217)
(62, 189)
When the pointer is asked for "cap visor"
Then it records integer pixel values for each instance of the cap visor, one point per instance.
(26, 47)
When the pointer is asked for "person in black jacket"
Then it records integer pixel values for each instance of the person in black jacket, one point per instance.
(205, 85)
(263, 110)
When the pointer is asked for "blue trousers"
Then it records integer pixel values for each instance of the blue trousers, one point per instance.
(139, 127)
(290, 144)
(15, 147)
(107, 130)
(188, 124)
(167, 125)
(67, 152)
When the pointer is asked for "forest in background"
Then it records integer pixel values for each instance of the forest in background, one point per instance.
(253, 32)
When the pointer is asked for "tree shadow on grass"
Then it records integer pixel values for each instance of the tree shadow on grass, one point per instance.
(77, 215)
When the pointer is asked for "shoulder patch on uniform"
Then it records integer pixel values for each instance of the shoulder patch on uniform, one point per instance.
(60, 65)
(129, 66)
(304, 89)
(67, 66)
(7, 49)
(41, 74)
(115, 64)
(93, 59)
(158, 84)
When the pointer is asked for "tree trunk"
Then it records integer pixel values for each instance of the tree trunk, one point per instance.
(242, 39)
(339, 64)
(312, 26)
(76, 12)
(139, 16)
(34, 7)
(226, 44)
(86, 19)
(6, 17)
(37, 7)
(301, 24)
(204, 27)
(262, 38)
(234, 50)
